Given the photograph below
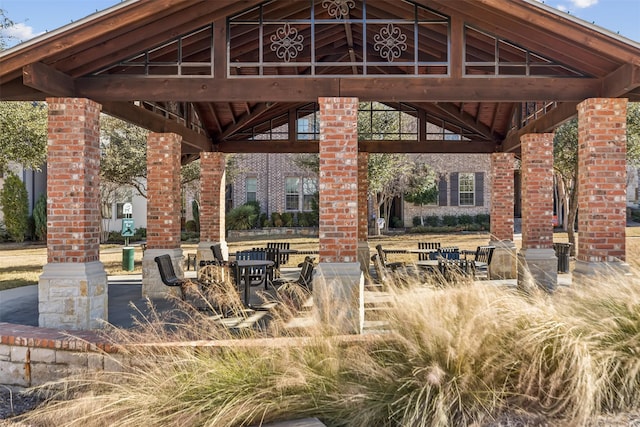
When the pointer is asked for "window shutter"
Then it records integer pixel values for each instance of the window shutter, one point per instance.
(454, 189)
(479, 188)
(442, 191)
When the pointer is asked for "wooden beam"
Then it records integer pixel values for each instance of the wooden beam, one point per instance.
(191, 140)
(623, 80)
(266, 146)
(308, 89)
(434, 146)
(290, 146)
(546, 123)
(48, 80)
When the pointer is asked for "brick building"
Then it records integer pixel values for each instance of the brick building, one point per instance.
(280, 185)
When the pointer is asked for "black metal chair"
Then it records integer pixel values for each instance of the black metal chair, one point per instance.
(452, 269)
(305, 279)
(383, 259)
(168, 274)
(426, 246)
(482, 259)
(283, 256)
(217, 254)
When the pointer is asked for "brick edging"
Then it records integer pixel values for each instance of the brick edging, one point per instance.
(32, 336)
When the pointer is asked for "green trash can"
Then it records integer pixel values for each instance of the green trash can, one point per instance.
(127, 258)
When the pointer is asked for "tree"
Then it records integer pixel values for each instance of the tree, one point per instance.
(23, 134)
(5, 23)
(423, 187)
(15, 207)
(40, 217)
(565, 164)
(389, 177)
(123, 154)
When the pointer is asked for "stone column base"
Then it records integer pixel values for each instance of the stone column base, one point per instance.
(364, 256)
(589, 271)
(338, 296)
(152, 286)
(538, 266)
(504, 263)
(73, 296)
(204, 252)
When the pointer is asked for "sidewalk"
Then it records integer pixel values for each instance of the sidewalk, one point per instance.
(20, 305)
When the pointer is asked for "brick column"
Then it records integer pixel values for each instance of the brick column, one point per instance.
(72, 290)
(602, 184)
(363, 211)
(537, 255)
(212, 204)
(503, 264)
(340, 279)
(163, 210)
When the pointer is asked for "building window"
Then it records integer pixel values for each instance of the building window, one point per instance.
(292, 194)
(299, 193)
(252, 189)
(466, 189)
(309, 191)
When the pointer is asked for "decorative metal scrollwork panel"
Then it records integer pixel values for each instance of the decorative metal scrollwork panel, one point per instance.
(287, 43)
(390, 42)
(338, 9)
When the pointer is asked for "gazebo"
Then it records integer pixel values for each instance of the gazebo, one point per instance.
(207, 77)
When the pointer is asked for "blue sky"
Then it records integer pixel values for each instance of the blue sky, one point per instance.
(34, 17)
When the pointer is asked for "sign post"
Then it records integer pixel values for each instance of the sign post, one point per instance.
(127, 232)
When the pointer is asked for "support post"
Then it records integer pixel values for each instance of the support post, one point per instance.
(163, 211)
(537, 259)
(72, 290)
(340, 283)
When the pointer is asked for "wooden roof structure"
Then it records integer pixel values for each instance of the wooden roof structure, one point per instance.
(220, 73)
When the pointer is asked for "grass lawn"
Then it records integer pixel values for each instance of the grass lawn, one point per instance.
(21, 264)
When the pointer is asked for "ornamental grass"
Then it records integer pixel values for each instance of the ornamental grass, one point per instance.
(457, 355)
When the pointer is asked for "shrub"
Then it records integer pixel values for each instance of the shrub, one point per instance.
(40, 217)
(396, 222)
(465, 219)
(190, 225)
(482, 219)
(307, 219)
(195, 210)
(276, 219)
(416, 221)
(450, 220)
(287, 219)
(263, 220)
(242, 218)
(15, 206)
(432, 220)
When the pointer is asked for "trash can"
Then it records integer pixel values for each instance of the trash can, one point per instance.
(562, 252)
(127, 258)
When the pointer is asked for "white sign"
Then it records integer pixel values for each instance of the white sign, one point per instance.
(127, 209)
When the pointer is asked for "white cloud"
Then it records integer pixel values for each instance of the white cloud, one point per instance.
(582, 4)
(562, 8)
(19, 32)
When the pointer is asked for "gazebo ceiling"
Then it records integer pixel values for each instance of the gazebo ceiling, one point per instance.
(218, 71)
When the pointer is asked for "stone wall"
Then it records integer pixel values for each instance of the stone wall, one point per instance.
(31, 356)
